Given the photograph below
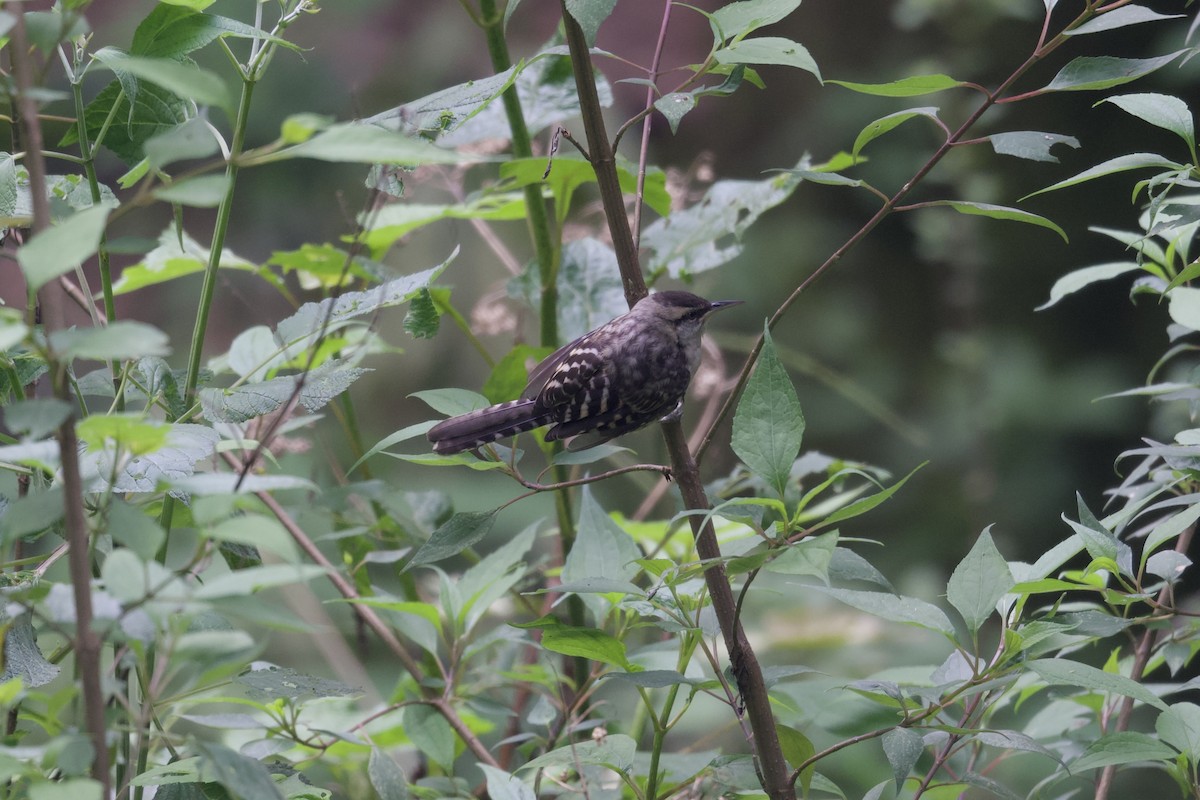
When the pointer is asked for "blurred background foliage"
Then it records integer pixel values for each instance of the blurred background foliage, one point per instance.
(931, 319)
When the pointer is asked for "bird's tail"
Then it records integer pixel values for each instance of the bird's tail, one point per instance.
(477, 428)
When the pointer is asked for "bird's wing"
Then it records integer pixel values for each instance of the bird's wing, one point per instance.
(559, 378)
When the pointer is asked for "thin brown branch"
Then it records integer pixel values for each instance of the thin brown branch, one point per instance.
(50, 296)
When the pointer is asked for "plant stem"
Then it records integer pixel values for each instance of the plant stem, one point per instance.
(771, 764)
(87, 641)
(217, 247)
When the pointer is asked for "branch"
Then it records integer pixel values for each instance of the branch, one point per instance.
(764, 739)
(50, 297)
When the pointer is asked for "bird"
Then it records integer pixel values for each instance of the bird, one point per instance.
(627, 373)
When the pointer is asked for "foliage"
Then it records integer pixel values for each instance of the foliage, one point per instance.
(584, 654)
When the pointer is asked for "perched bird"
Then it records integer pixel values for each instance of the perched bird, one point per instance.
(625, 374)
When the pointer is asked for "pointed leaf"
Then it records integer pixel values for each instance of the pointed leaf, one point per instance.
(1062, 672)
(902, 746)
(1031, 145)
(1087, 73)
(1162, 110)
(905, 87)
(59, 249)
(1074, 281)
(768, 425)
(884, 124)
(998, 212)
(769, 50)
(979, 581)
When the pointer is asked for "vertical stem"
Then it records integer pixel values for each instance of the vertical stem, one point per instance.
(535, 205)
(218, 242)
(50, 297)
(772, 767)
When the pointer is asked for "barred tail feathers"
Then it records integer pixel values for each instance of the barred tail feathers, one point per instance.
(477, 428)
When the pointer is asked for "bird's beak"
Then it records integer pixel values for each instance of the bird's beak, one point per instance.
(719, 304)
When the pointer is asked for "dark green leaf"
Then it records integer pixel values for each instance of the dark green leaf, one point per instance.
(508, 378)
(422, 319)
(1088, 73)
(460, 532)
(241, 776)
(589, 643)
(865, 504)
(979, 581)
(590, 14)
(387, 779)
(902, 746)
(884, 124)
(153, 110)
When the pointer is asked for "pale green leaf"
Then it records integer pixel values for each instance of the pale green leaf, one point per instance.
(769, 50)
(367, 144)
(1125, 747)
(1162, 110)
(902, 746)
(183, 79)
(747, 16)
(62, 247)
(1031, 145)
(905, 87)
(117, 341)
(897, 608)
(1111, 167)
(1077, 279)
(1119, 18)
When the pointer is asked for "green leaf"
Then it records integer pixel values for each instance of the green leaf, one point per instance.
(1179, 727)
(359, 143)
(460, 532)
(450, 402)
(176, 255)
(116, 341)
(590, 14)
(1031, 145)
(186, 141)
(768, 425)
(1111, 167)
(602, 549)
(1125, 747)
(1170, 528)
(1161, 110)
(905, 87)
(811, 555)
(250, 400)
(897, 608)
(979, 581)
(902, 746)
(1184, 306)
(36, 418)
(205, 191)
(449, 109)
(1061, 672)
(1087, 73)
(998, 212)
(250, 581)
(797, 748)
(884, 124)
(769, 50)
(589, 643)
(430, 732)
(68, 789)
(174, 29)
(1119, 18)
(503, 785)
(747, 16)
(62, 247)
(1074, 281)
(615, 751)
(387, 779)
(508, 378)
(865, 504)
(131, 433)
(182, 79)
(131, 527)
(258, 531)
(422, 319)
(267, 682)
(396, 220)
(241, 776)
(708, 234)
